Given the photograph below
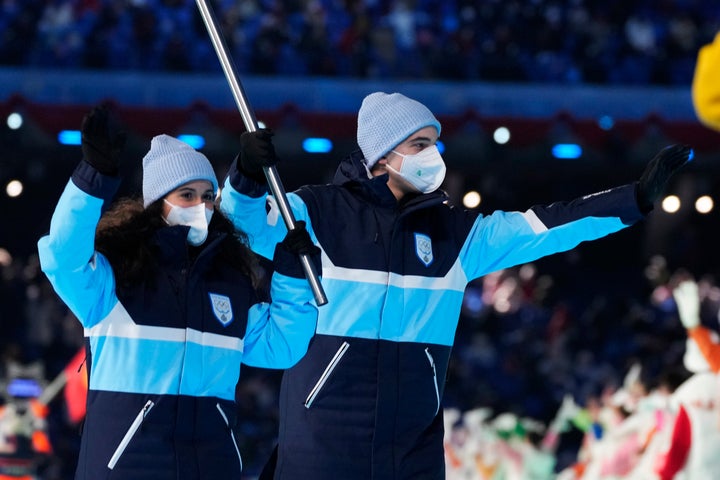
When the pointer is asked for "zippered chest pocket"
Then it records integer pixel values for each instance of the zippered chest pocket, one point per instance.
(326, 374)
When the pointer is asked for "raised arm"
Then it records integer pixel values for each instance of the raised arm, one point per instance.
(82, 277)
(245, 198)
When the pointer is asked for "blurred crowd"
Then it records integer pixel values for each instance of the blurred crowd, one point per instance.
(529, 338)
(588, 394)
(544, 41)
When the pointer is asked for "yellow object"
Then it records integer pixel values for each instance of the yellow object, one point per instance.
(706, 85)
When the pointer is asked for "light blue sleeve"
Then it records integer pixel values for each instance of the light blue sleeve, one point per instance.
(506, 239)
(82, 278)
(278, 333)
(260, 219)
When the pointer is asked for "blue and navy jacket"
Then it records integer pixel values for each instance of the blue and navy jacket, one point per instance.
(164, 356)
(365, 401)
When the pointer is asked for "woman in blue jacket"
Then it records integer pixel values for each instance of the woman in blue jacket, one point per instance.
(366, 401)
(172, 302)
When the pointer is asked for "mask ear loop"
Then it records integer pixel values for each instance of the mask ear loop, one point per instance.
(171, 207)
(367, 170)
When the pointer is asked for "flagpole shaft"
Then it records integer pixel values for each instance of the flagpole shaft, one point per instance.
(248, 116)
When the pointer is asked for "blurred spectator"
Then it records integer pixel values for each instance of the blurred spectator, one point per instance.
(706, 85)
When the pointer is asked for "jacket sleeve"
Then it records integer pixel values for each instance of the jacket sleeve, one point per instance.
(82, 278)
(278, 333)
(256, 213)
(506, 239)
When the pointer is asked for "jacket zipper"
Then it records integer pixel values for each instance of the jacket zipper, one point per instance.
(435, 383)
(130, 433)
(232, 435)
(326, 374)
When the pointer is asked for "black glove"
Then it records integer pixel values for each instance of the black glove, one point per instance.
(256, 152)
(298, 241)
(102, 141)
(657, 173)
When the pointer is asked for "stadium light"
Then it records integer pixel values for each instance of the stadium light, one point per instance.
(671, 204)
(317, 145)
(14, 121)
(704, 204)
(195, 141)
(501, 135)
(472, 199)
(69, 137)
(567, 151)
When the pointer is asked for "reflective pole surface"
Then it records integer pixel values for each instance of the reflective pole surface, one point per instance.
(248, 116)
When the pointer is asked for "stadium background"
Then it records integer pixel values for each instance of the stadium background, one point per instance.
(612, 77)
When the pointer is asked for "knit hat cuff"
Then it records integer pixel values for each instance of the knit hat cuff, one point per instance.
(171, 163)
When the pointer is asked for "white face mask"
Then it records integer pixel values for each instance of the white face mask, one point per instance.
(196, 217)
(424, 171)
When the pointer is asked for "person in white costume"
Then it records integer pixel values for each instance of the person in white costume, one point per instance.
(694, 451)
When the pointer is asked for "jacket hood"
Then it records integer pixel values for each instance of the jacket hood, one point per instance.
(351, 168)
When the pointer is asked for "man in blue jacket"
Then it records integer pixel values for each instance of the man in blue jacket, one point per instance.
(365, 401)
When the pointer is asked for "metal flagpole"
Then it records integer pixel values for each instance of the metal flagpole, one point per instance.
(248, 116)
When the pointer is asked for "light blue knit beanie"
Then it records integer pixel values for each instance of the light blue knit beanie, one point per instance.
(171, 163)
(385, 120)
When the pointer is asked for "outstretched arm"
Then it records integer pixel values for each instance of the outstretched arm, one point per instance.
(506, 239)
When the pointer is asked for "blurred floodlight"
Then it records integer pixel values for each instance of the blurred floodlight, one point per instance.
(606, 122)
(14, 121)
(261, 124)
(472, 300)
(501, 135)
(14, 188)
(69, 137)
(671, 204)
(440, 146)
(567, 151)
(472, 199)
(317, 145)
(704, 204)
(527, 272)
(5, 258)
(195, 141)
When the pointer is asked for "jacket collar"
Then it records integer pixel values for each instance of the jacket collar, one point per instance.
(352, 174)
(172, 243)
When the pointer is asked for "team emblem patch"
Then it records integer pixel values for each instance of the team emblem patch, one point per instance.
(221, 308)
(423, 248)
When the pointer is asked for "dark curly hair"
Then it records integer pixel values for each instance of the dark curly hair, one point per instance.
(123, 236)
